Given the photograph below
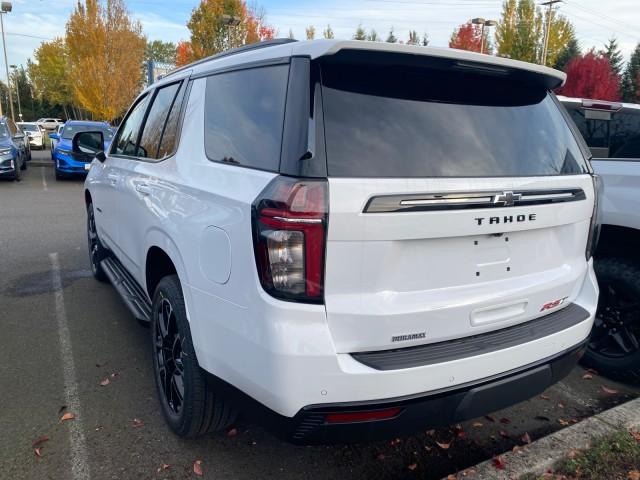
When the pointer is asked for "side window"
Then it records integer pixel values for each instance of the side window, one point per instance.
(244, 112)
(156, 124)
(169, 137)
(625, 135)
(126, 142)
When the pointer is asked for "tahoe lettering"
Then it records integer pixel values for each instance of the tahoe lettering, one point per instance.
(505, 219)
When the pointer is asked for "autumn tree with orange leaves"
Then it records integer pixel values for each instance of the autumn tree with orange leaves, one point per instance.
(105, 49)
(210, 35)
(467, 37)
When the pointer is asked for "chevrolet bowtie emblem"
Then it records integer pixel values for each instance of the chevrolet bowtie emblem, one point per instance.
(506, 199)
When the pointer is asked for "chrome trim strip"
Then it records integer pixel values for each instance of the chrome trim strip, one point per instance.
(298, 220)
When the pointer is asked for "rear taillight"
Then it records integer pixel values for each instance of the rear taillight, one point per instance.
(594, 230)
(289, 230)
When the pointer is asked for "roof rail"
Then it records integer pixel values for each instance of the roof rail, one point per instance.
(233, 51)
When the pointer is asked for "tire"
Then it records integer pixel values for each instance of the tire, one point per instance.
(614, 346)
(200, 410)
(24, 164)
(17, 169)
(58, 174)
(97, 252)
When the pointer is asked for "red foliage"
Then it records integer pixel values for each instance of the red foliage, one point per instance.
(184, 53)
(590, 76)
(467, 37)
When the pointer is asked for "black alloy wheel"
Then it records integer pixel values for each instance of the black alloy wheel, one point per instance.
(97, 252)
(169, 356)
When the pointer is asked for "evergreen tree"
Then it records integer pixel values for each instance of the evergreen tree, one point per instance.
(328, 32)
(291, 35)
(425, 39)
(414, 39)
(391, 38)
(373, 36)
(361, 33)
(570, 51)
(631, 78)
(613, 53)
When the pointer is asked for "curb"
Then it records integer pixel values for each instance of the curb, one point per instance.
(541, 455)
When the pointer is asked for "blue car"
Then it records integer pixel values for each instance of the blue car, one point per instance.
(68, 163)
(13, 156)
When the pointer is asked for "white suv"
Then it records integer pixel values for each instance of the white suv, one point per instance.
(352, 239)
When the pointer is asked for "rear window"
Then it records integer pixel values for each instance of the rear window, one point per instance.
(609, 134)
(414, 122)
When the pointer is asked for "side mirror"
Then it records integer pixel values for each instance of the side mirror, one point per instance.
(54, 136)
(88, 143)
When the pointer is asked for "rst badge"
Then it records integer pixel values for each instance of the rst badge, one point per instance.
(554, 304)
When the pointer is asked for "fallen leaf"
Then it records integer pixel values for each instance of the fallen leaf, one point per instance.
(505, 421)
(98, 428)
(38, 452)
(491, 418)
(526, 438)
(572, 454)
(562, 422)
(67, 416)
(498, 462)
(469, 472)
(115, 374)
(587, 376)
(573, 420)
(444, 446)
(477, 424)
(394, 442)
(39, 440)
(380, 456)
(610, 391)
(545, 397)
(635, 435)
(516, 449)
(137, 423)
(232, 432)
(560, 405)
(164, 466)
(633, 475)
(413, 466)
(105, 382)
(542, 418)
(592, 371)
(451, 476)
(503, 434)
(427, 448)
(197, 468)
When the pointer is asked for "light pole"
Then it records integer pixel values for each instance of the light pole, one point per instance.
(15, 80)
(549, 4)
(5, 7)
(230, 21)
(484, 23)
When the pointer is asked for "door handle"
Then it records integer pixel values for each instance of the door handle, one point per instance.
(143, 188)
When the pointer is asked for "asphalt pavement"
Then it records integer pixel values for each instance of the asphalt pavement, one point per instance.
(63, 334)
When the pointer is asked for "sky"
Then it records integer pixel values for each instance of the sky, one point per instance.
(33, 21)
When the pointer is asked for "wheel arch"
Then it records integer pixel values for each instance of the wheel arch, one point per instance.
(618, 241)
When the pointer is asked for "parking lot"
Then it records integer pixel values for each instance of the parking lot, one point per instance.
(64, 335)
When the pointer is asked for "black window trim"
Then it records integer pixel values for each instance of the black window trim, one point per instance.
(116, 137)
(251, 66)
(153, 93)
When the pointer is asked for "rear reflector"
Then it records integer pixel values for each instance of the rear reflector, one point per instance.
(354, 417)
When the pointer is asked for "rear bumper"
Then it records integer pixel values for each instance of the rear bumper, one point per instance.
(416, 412)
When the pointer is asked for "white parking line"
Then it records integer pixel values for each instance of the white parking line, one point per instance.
(44, 180)
(79, 457)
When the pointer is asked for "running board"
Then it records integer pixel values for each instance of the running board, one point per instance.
(132, 294)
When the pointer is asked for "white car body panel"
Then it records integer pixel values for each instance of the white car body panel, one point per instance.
(621, 199)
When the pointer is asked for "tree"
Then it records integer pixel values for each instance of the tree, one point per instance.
(519, 32)
(291, 35)
(631, 78)
(391, 38)
(50, 73)
(105, 50)
(561, 34)
(373, 36)
(361, 33)
(570, 51)
(425, 39)
(311, 32)
(328, 32)
(613, 53)
(413, 39)
(467, 36)
(159, 51)
(211, 35)
(591, 76)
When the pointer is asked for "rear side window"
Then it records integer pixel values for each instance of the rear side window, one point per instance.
(244, 113)
(609, 134)
(156, 125)
(127, 139)
(419, 122)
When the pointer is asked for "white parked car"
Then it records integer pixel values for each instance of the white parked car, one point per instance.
(350, 239)
(49, 123)
(34, 132)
